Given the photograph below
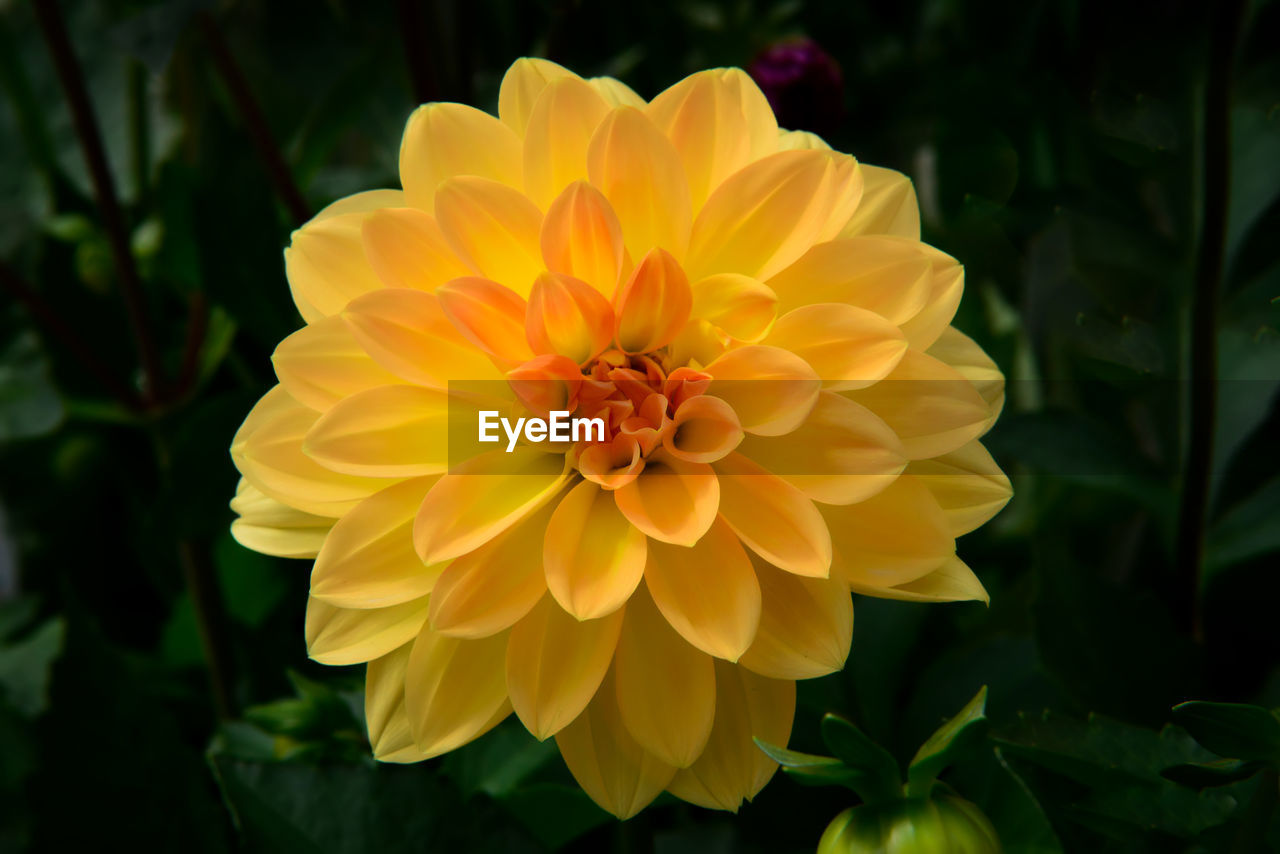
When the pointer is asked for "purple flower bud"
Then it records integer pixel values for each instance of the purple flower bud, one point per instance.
(803, 84)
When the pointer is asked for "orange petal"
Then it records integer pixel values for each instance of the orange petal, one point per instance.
(946, 288)
(967, 484)
(842, 453)
(322, 363)
(609, 765)
(708, 592)
(581, 237)
(487, 590)
(454, 690)
(806, 626)
(555, 144)
(555, 663)
(493, 228)
(481, 498)
(892, 538)
(672, 500)
(407, 332)
(704, 429)
(406, 248)
(524, 81)
(444, 140)
(639, 171)
(732, 768)
(766, 215)
(566, 316)
(891, 276)
(592, 555)
(356, 635)
(932, 408)
(741, 306)
(389, 431)
(773, 518)
(771, 390)
(368, 559)
(489, 315)
(888, 206)
(613, 464)
(666, 688)
(848, 347)
(702, 116)
(267, 449)
(653, 305)
(762, 127)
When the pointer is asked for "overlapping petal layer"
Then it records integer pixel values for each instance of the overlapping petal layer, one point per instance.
(787, 413)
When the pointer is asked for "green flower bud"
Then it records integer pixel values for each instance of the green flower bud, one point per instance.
(942, 824)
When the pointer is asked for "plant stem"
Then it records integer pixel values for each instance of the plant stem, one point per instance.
(58, 328)
(70, 75)
(268, 150)
(206, 599)
(1203, 399)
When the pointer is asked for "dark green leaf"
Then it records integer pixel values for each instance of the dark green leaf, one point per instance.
(1232, 730)
(29, 404)
(1220, 772)
(25, 667)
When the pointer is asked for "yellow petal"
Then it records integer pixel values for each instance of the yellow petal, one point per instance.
(888, 205)
(672, 500)
(408, 333)
(555, 144)
(806, 626)
(593, 557)
(708, 592)
(326, 265)
(322, 363)
(771, 390)
(954, 581)
(741, 306)
(568, 317)
(389, 431)
(848, 347)
(704, 429)
(932, 408)
(489, 315)
(454, 689)
(384, 712)
(524, 81)
(846, 188)
(766, 215)
(581, 237)
(963, 353)
(653, 305)
(493, 228)
(368, 560)
(406, 248)
(801, 140)
(445, 140)
(888, 275)
(268, 526)
(702, 116)
(666, 688)
(364, 202)
(487, 590)
(967, 484)
(639, 172)
(481, 498)
(773, 518)
(555, 663)
(267, 450)
(609, 765)
(616, 93)
(732, 768)
(890, 539)
(356, 635)
(946, 288)
(842, 453)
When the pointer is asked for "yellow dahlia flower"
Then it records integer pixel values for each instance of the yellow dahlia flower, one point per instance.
(787, 416)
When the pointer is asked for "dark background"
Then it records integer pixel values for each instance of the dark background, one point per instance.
(1107, 172)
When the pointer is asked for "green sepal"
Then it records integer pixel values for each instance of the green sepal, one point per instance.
(947, 742)
(880, 775)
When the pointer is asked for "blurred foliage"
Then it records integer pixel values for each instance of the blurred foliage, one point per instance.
(1056, 150)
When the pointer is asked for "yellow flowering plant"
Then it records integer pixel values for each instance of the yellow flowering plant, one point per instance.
(786, 416)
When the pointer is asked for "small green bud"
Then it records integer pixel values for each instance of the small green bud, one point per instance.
(942, 824)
